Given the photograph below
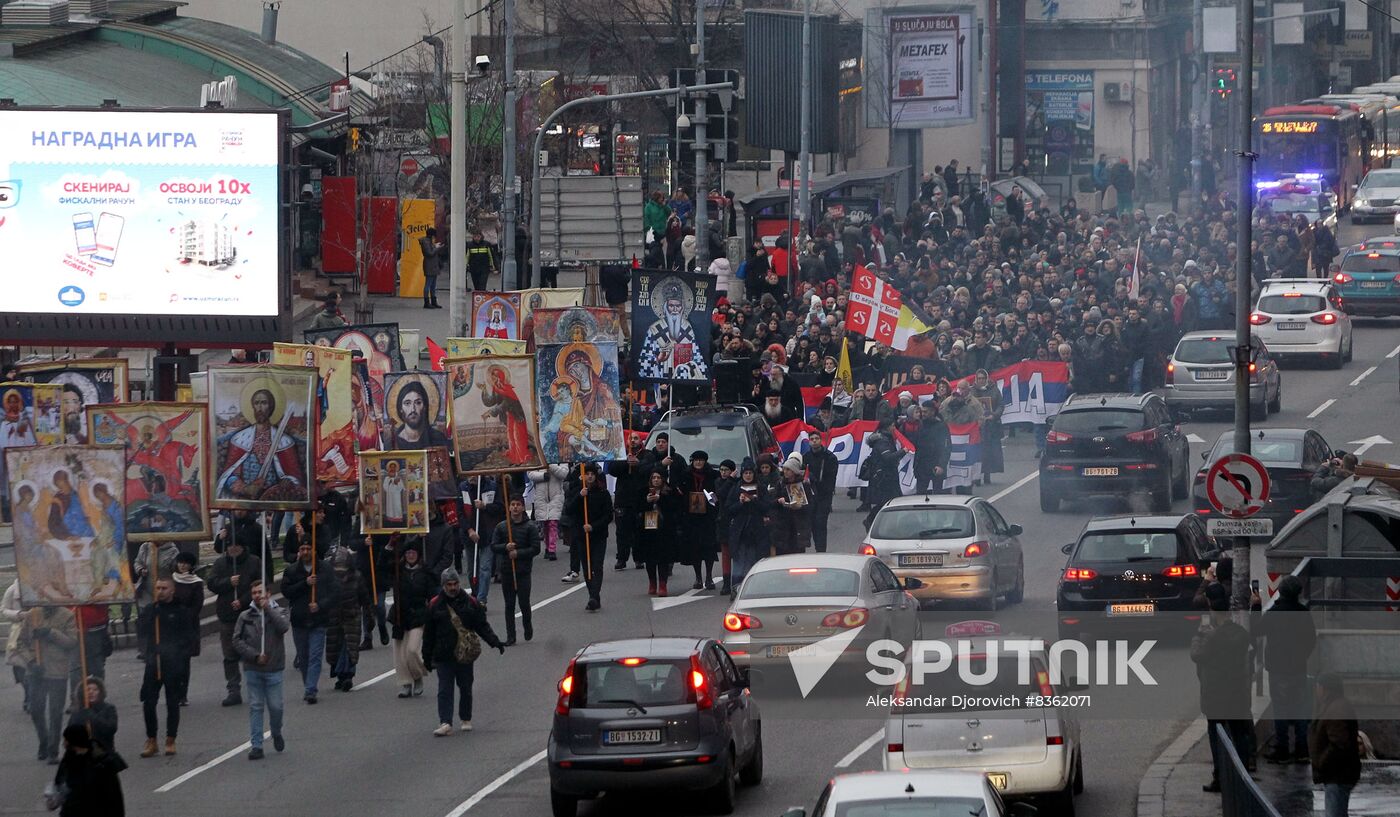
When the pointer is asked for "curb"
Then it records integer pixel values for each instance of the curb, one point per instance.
(1152, 789)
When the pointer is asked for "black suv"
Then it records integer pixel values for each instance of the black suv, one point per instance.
(1114, 444)
(653, 713)
(724, 432)
(1129, 569)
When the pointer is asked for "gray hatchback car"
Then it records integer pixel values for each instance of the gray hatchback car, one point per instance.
(653, 713)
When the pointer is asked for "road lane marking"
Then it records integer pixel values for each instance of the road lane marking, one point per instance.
(861, 749)
(659, 604)
(1362, 376)
(1322, 407)
(1393, 353)
(198, 770)
(1013, 486)
(553, 598)
(475, 799)
(371, 682)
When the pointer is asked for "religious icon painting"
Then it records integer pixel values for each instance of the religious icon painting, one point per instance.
(30, 414)
(335, 432)
(496, 315)
(84, 383)
(532, 300)
(167, 475)
(476, 347)
(376, 343)
(69, 524)
(416, 418)
(580, 410)
(493, 414)
(576, 324)
(394, 492)
(260, 421)
(671, 325)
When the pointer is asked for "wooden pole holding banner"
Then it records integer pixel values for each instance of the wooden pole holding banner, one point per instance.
(82, 662)
(476, 546)
(153, 553)
(373, 581)
(314, 556)
(262, 571)
(587, 534)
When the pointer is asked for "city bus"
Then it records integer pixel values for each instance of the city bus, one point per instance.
(1294, 140)
(1380, 116)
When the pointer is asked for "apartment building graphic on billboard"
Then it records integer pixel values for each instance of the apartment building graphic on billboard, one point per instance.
(208, 243)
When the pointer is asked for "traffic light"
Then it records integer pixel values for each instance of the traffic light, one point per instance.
(1223, 84)
(721, 116)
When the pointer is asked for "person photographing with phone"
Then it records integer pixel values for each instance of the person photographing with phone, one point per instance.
(1332, 473)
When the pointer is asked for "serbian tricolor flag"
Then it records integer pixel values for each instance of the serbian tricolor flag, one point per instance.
(965, 455)
(812, 397)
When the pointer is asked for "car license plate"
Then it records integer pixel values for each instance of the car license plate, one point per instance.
(998, 780)
(780, 650)
(1292, 325)
(632, 736)
(1101, 472)
(1212, 374)
(921, 560)
(1146, 609)
(1374, 284)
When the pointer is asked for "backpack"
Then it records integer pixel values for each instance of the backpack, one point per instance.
(743, 269)
(867, 468)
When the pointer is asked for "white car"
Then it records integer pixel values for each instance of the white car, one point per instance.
(1303, 317)
(1024, 750)
(958, 547)
(1378, 197)
(908, 793)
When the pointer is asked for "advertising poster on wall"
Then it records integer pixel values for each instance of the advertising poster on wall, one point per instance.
(924, 57)
(1060, 118)
(141, 212)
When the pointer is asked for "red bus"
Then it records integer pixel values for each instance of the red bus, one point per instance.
(1300, 140)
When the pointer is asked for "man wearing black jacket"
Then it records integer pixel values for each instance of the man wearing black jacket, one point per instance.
(589, 512)
(821, 468)
(231, 581)
(668, 461)
(450, 611)
(309, 586)
(1220, 649)
(1288, 643)
(167, 628)
(631, 476)
(516, 542)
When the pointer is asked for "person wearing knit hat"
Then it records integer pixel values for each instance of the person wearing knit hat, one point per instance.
(791, 530)
(747, 506)
(450, 613)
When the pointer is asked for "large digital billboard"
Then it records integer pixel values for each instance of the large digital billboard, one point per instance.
(140, 213)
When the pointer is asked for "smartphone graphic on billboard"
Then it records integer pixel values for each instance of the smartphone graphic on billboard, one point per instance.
(84, 233)
(109, 236)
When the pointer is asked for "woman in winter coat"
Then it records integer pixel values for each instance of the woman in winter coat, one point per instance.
(88, 772)
(343, 631)
(1114, 357)
(96, 717)
(748, 537)
(792, 517)
(413, 586)
(724, 278)
(986, 391)
(658, 530)
(549, 505)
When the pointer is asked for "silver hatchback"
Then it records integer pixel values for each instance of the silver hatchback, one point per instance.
(1201, 375)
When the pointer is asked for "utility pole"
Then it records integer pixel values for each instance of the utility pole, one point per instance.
(702, 148)
(1198, 107)
(1244, 220)
(508, 261)
(457, 227)
(1266, 83)
(804, 153)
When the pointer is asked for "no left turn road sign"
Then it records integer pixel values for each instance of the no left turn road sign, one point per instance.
(1237, 485)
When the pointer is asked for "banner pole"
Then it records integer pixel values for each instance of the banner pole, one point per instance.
(587, 534)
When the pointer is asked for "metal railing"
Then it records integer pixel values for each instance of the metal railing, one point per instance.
(1240, 796)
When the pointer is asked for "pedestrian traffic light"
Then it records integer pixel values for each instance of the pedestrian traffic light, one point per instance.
(1224, 84)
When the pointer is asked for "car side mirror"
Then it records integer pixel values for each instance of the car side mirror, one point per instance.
(1065, 549)
(911, 583)
(1016, 530)
(1204, 454)
(1021, 809)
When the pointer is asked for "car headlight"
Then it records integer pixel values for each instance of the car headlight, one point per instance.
(1362, 203)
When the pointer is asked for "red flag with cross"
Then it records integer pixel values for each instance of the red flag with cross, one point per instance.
(874, 307)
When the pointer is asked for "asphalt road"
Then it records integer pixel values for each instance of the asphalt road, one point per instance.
(369, 753)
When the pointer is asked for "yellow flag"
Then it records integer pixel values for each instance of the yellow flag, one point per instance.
(843, 367)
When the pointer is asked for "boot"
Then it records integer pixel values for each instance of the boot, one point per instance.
(149, 750)
(367, 645)
(529, 630)
(651, 587)
(169, 746)
(661, 589)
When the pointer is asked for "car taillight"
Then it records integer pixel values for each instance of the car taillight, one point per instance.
(1200, 477)
(974, 550)
(894, 748)
(1326, 318)
(1057, 437)
(1396, 279)
(1171, 372)
(1042, 678)
(1341, 278)
(1080, 574)
(847, 619)
(867, 550)
(738, 622)
(1145, 436)
(1259, 319)
(566, 691)
(1180, 571)
(700, 685)
(1054, 740)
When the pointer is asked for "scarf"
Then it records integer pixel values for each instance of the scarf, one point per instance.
(1178, 307)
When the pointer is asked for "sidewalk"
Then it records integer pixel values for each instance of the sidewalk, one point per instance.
(1172, 785)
